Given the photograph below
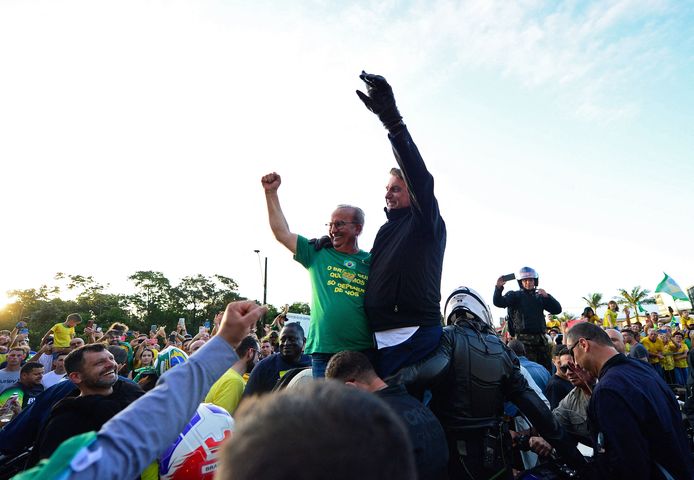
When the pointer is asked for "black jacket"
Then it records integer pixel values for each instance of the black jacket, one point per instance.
(526, 310)
(404, 287)
(471, 375)
(74, 415)
(634, 415)
(426, 434)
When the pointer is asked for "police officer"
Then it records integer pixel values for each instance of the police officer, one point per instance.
(471, 375)
(526, 319)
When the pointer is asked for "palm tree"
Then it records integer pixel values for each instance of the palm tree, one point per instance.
(594, 301)
(634, 297)
(567, 317)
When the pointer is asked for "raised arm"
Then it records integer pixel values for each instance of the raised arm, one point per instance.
(271, 182)
(380, 100)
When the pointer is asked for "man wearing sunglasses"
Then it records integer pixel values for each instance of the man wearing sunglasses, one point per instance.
(632, 413)
(338, 279)
(559, 386)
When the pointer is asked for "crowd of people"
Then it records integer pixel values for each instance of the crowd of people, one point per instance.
(382, 385)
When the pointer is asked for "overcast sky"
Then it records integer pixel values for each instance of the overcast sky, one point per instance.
(133, 136)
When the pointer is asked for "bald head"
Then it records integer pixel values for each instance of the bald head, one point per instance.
(617, 339)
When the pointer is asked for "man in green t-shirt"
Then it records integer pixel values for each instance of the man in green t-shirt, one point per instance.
(338, 279)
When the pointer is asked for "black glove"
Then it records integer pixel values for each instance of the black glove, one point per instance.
(381, 101)
(320, 243)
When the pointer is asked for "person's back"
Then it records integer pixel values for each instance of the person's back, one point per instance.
(325, 430)
(427, 436)
(658, 430)
(471, 375)
(540, 374)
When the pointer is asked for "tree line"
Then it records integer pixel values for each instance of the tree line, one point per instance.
(155, 301)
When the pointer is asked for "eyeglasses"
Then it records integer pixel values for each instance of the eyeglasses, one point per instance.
(571, 349)
(339, 224)
(564, 368)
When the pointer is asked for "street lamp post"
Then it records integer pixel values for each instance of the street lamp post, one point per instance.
(264, 277)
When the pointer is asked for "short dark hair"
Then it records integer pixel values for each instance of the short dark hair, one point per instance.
(28, 367)
(396, 172)
(590, 332)
(347, 365)
(73, 361)
(296, 325)
(245, 345)
(74, 316)
(517, 347)
(678, 333)
(560, 350)
(309, 418)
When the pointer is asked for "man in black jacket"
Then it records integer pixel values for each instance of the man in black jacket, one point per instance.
(426, 434)
(100, 396)
(403, 292)
(471, 375)
(526, 318)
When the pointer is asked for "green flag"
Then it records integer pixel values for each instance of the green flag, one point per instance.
(669, 286)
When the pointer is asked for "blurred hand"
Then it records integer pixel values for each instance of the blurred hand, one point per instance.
(542, 292)
(540, 446)
(500, 282)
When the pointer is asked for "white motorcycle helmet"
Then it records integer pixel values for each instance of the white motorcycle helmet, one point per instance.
(466, 301)
(527, 272)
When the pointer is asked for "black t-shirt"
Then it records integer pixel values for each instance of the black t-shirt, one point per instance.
(269, 370)
(557, 388)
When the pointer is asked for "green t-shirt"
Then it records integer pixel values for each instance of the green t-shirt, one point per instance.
(338, 318)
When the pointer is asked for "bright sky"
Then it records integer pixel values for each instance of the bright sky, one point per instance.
(133, 136)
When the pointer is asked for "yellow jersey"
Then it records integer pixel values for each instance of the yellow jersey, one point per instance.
(62, 335)
(610, 319)
(653, 349)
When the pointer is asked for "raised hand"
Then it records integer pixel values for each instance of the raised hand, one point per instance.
(380, 100)
(271, 182)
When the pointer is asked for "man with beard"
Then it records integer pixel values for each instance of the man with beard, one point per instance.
(227, 391)
(99, 396)
(269, 370)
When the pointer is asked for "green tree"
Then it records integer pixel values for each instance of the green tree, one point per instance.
(567, 317)
(594, 301)
(634, 297)
(154, 295)
(300, 307)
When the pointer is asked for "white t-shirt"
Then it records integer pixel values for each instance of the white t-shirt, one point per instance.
(51, 378)
(7, 379)
(396, 336)
(47, 361)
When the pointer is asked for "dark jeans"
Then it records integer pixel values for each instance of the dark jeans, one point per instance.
(319, 361)
(659, 369)
(412, 350)
(681, 375)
